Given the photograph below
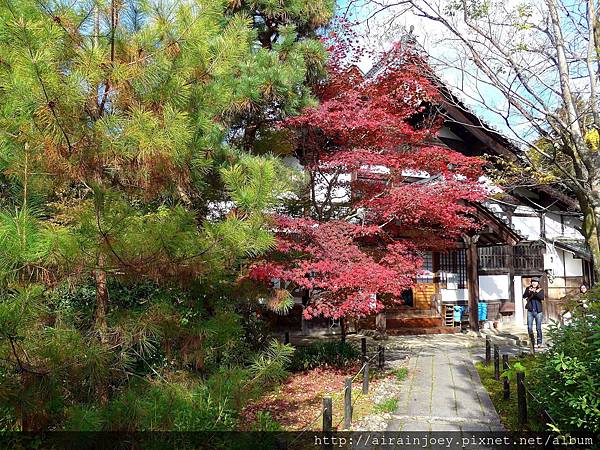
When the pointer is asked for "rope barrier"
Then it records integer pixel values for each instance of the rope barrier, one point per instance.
(307, 427)
(343, 395)
(359, 372)
(363, 366)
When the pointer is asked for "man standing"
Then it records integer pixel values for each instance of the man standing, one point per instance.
(534, 294)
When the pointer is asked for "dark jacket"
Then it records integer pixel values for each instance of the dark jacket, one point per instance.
(534, 299)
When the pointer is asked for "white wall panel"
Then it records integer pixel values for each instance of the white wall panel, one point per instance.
(494, 287)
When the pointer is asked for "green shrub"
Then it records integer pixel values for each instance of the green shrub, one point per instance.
(324, 354)
(162, 406)
(401, 373)
(566, 378)
(265, 422)
(84, 418)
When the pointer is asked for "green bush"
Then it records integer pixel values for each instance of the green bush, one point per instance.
(265, 422)
(324, 354)
(162, 406)
(566, 378)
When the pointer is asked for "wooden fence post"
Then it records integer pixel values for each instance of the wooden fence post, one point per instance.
(380, 351)
(496, 362)
(522, 398)
(506, 382)
(531, 344)
(365, 389)
(348, 404)
(363, 348)
(281, 443)
(327, 414)
(488, 350)
(286, 337)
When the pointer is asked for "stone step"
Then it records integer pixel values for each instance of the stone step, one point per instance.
(423, 330)
(410, 312)
(413, 322)
(519, 339)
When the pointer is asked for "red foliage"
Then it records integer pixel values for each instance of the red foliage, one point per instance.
(297, 402)
(404, 195)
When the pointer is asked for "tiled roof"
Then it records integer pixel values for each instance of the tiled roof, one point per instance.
(576, 246)
(503, 219)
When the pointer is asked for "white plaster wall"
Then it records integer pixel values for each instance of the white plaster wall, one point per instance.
(553, 260)
(519, 308)
(573, 266)
(553, 225)
(572, 226)
(494, 287)
(339, 194)
(452, 295)
(527, 226)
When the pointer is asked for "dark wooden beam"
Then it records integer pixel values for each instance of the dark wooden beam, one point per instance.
(478, 131)
(472, 280)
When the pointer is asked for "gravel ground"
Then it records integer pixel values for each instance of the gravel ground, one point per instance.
(385, 389)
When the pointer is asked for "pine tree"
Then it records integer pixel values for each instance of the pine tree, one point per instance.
(132, 149)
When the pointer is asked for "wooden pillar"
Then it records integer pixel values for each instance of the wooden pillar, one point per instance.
(510, 264)
(473, 280)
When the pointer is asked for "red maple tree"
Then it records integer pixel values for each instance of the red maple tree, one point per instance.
(380, 193)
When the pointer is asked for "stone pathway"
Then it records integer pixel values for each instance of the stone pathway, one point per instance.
(444, 391)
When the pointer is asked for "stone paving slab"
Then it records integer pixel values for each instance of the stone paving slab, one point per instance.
(443, 391)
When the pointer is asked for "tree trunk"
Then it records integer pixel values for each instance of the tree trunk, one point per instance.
(305, 300)
(380, 323)
(101, 299)
(100, 324)
(590, 231)
(593, 239)
(26, 417)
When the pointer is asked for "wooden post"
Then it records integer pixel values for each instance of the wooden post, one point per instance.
(473, 280)
(348, 404)
(363, 348)
(488, 350)
(365, 389)
(506, 382)
(381, 356)
(327, 414)
(281, 443)
(510, 265)
(522, 398)
(496, 363)
(286, 337)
